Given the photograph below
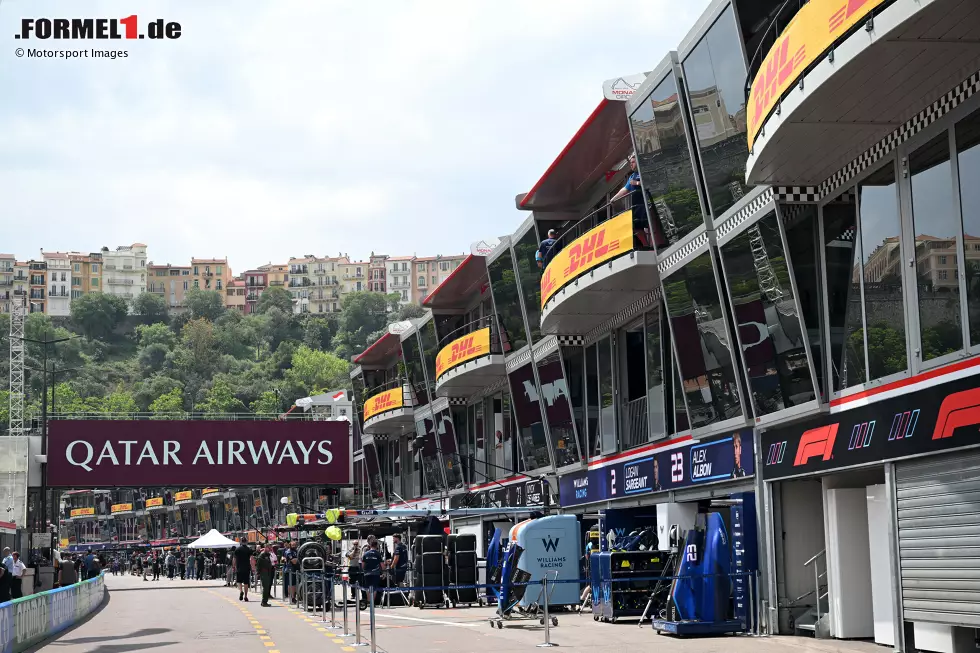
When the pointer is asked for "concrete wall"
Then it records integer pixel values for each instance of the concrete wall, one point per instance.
(27, 621)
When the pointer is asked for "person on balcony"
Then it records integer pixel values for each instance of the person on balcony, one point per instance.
(546, 250)
(633, 188)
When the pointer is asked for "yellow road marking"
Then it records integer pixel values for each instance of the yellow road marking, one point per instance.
(260, 632)
(347, 648)
(268, 644)
(264, 637)
(322, 630)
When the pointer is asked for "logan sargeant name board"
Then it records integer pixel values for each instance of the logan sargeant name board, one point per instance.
(86, 453)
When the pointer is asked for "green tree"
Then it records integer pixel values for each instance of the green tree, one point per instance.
(97, 314)
(119, 402)
(198, 351)
(318, 332)
(147, 390)
(4, 411)
(362, 314)
(410, 311)
(169, 405)
(151, 307)
(153, 358)
(274, 297)
(315, 371)
(219, 399)
(155, 334)
(267, 403)
(204, 304)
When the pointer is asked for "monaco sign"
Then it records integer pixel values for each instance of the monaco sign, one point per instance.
(86, 453)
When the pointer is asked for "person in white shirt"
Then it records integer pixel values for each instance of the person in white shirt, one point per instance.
(16, 590)
(8, 560)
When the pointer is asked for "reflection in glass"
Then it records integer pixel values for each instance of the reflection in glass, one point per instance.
(771, 335)
(936, 239)
(447, 447)
(655, 375)
(664, 160)
(592, 397)
(607, 404)
(681, 421)
(634, 424)
(430, 349)
(464, 439)
(431, 468)
(504, 443)
(554, 395)
(574, 360)
(881, 274)
(534, 446)
(412, 355)
(802, 238)
(530, 278)
(715, 77)
(841, 242)
(968, 158)
(703, 348)
(503, 285)
(374, 471)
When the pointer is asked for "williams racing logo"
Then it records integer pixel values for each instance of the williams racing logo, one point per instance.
(549, 543)
(82, 29)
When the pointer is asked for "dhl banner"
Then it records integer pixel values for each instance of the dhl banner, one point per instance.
(807, 37)
(184, 496)
(610, 239)
(154, 502)
(460, 350)
(122, 507)
(379, 403)
(208, 491)
(83, 512)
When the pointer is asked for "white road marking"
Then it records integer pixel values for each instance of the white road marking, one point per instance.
(427, 621)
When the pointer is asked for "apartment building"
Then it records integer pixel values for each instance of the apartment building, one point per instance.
(86, 273)
(124, 271)
(430, 271)
(210, 273)
(377, 272)
(21, 279)
(58, 282)
(276, 275)
(7, 264)
(236, 296)
(255, 282)
(171, 282)
(398, 275)
(316, 284)
(38, 283)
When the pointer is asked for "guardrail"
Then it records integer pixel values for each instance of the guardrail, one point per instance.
(26, 621)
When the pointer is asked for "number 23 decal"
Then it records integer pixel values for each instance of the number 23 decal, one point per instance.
(677, 467)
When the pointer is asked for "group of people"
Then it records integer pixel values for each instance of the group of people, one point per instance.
(186, 565)
(11, 575)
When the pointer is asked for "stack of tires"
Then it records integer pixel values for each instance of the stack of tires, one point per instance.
(429, 570)
(463, 569)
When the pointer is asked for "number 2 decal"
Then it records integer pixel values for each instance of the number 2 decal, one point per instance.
(612, 482)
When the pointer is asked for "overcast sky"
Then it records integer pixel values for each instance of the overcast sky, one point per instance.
(286, 128)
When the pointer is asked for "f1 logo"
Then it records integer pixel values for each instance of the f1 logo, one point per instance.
(677, 467)
(958, 409)
(550, 544)
(816, 442)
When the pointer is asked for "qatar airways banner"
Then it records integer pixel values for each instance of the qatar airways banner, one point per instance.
(89, 453)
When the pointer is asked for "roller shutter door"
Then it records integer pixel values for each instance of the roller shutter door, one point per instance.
(939, 538)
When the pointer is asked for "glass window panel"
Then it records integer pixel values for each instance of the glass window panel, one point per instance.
(607, 405)
(503, 285)
(374, 471)
(881, 272)
(534, 446)
(503, 435)
(680, 421)
(841, 242)
(664, 160)
(479, 442)
(772, 337)
(800, 224)
(430, 348)
(703, 347)
(530, 278)
(554, 395)
(655, 376)
(633, 377)
(574, 359)
(461, 421)
(936, 238)
(715, 77)
(412, 354)
(431, 467)
(447, 446)
(968, 158)
(592, 397)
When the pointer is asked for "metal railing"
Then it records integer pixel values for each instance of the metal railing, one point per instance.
(636, 423)
(182, 416)
(120, 282)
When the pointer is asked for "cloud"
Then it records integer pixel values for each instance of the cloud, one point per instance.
(286, 128)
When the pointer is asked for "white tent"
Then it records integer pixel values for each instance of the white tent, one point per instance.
(213, 540)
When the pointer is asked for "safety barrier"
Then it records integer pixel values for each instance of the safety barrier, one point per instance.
(26, 621)
(325, 586)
